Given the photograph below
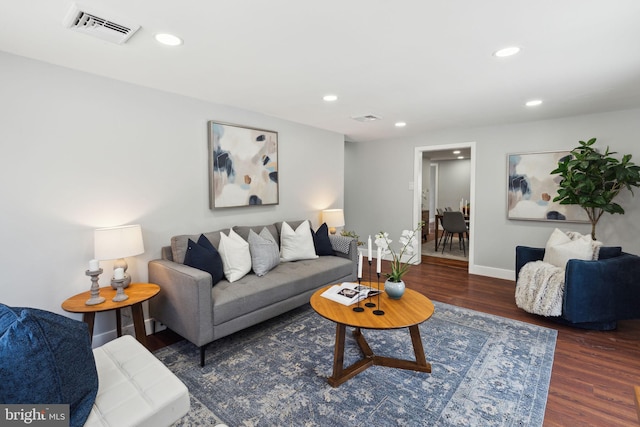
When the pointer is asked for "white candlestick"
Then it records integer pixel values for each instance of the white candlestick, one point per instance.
(118, 273)
(369, 243)
(360, 265)
(94, 265)
(379, 261)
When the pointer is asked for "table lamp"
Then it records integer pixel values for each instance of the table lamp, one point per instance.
(333, 218)
(118, 243)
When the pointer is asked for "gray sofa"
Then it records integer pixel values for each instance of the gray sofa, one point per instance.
(189, 305)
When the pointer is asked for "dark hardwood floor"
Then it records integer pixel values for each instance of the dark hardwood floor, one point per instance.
(593, 372)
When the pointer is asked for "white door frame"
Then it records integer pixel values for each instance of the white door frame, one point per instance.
(417, 189)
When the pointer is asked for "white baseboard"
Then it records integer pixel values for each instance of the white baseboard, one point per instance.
(497, 273)
(111, 335)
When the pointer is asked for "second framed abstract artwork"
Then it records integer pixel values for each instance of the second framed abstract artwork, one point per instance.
(243, 166)
(531, 189)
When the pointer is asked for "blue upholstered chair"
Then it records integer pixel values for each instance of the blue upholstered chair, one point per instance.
(597, 293)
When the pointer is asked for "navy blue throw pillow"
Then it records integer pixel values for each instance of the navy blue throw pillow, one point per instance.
(204, 256)
(321, 240)
(46, 358)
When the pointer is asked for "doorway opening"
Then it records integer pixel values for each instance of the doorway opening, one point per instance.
(426, 201)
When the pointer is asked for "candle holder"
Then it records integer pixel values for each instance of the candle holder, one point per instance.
(95, 288)
(378, 312)
(120, 295)
(358, 309)
(370, 304)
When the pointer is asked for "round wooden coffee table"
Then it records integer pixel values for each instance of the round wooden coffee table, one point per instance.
(407, 312)
(137, 292)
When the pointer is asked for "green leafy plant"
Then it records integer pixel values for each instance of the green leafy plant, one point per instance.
(353, 235)
(592, 180)
(408, 241)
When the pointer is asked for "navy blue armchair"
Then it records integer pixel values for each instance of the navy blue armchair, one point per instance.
(597, 293)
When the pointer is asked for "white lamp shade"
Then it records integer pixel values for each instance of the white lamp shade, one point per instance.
(333, 217)
(118, 242)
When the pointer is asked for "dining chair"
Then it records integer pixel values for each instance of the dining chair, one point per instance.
(439, 219)
(454, 223)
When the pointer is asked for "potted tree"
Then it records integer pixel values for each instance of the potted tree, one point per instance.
(592, 180)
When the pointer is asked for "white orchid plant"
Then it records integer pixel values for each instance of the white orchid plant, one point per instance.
(408, 242)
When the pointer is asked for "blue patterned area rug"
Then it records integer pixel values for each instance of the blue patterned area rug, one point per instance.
(486, 371)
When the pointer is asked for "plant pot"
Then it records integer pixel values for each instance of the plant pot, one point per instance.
(394, 290)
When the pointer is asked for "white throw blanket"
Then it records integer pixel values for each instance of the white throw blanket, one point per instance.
(540, 288)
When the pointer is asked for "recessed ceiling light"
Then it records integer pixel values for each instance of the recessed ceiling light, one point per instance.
(533, 103)
(330, 98)
(168, 39)
(456, 152)
(507, 51)
(460, 157)
(400, 124)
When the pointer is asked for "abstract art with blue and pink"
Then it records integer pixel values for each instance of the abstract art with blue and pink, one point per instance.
(243, 166)
(532, 188)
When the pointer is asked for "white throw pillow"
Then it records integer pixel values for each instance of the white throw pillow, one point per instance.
(559, 254)
(297, 245)
(236, 258)
(557, 237)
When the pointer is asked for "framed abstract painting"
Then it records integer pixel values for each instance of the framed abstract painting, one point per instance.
(243, 166)
(531, 189)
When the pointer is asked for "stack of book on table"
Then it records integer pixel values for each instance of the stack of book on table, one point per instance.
(348, 293)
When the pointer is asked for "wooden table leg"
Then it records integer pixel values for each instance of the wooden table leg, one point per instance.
(338, 352)
(89, 319)
(340, 375)
(418, 349)
(118, 323)
(436, 235)
(138, 323)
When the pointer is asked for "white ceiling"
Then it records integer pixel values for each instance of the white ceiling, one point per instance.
(426, 62)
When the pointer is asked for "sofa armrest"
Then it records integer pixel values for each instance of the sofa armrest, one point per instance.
(525, 254)
(184, 302)
(602, 290)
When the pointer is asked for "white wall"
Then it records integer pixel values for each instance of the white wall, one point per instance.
(81, 152)
(454, 179)
(385, 201)
(426, 183)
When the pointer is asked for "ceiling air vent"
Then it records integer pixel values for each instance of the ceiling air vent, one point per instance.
(367, 118)
(99, 26)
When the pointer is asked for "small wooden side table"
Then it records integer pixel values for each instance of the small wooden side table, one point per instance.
(137, 292)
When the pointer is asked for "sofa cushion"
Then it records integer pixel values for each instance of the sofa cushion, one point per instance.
(265, 254)
(235, 254)
(46, 358)
(288, 279)
(321, 240)
(203, 256)
(298, 244)
(243, 231)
